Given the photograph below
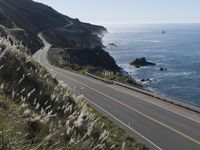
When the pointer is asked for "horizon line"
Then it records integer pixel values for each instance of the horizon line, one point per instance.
(140, 23)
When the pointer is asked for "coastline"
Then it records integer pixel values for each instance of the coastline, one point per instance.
(144, 90)
(180, 79)
(149, 88)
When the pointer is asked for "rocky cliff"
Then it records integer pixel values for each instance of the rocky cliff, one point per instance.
(79, 59)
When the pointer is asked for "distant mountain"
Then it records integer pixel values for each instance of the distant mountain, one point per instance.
(24, 19)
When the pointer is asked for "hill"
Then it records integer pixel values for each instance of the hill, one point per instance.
(26, 18)
(38, 112)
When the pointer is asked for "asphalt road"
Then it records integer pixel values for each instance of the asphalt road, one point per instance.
(156, 126)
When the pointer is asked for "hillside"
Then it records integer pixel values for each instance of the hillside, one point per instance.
(80, 59)
(22, 20)
(35, 17)
(38, 112)
(26, 18)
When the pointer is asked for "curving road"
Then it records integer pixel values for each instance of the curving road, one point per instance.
(158, 124)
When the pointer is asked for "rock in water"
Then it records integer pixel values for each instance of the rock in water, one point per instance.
(113, 44)
(140, 62)
(163, 69)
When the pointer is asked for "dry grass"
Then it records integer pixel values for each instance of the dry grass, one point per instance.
(37, 112)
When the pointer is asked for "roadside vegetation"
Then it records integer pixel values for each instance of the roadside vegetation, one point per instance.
(38, 112)
(94, 61)
(117, 76)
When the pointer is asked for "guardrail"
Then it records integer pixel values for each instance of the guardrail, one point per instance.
(98, 78)
(154, 95)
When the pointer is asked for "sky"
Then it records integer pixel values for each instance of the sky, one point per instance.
(129, 11)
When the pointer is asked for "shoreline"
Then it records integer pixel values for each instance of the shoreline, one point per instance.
(176, 99)
(150, 89)
(129, 71)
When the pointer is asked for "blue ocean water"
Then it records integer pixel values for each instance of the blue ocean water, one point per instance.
(178, 50)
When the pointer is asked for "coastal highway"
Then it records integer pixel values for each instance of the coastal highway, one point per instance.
(158, 124)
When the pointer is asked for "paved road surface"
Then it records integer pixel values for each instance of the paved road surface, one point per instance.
(158, 124)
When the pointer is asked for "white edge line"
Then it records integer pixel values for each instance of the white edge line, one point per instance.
(133, 130)
(133, 96)
(94, 80)
(147, 101)
(102, 83)
(123, 123)
(114, 88)
(159, 106)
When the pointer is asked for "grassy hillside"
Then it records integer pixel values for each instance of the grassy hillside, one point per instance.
(38, 112)
(31, 41)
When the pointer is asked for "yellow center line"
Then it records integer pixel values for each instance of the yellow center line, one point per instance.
(141, 113)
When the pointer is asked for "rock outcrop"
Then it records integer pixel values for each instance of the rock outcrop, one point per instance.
(140, 62)
(95, 58)
(163, 69)
(113, 44)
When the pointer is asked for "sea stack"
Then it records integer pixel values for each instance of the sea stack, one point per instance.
(140, 62)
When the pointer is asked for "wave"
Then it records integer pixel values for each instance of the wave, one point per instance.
(128, 68)
(151, 41)
(172, 74)
(159, 56)
(152, 89)
(195, 61)
(150, 81)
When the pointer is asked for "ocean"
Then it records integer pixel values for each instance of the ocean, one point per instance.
(178, 50)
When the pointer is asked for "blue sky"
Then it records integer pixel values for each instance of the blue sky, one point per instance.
(129, 11)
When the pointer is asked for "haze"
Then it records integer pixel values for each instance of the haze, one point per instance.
(129, 11)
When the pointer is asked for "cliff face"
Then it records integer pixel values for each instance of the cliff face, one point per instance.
(73, 37)
(86, 58)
